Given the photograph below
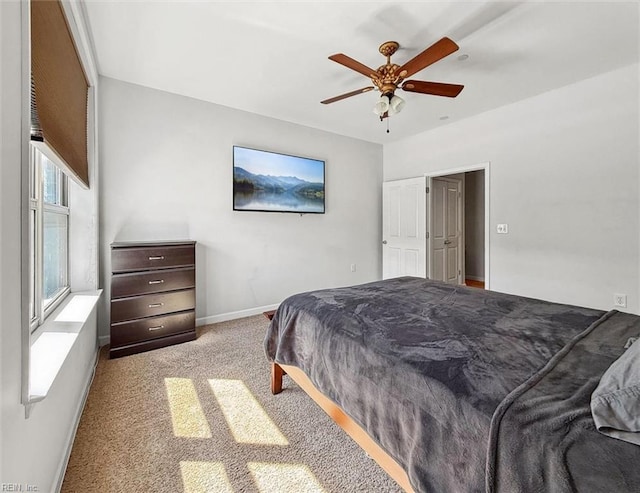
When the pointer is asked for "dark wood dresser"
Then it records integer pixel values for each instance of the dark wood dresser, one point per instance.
(153, 295)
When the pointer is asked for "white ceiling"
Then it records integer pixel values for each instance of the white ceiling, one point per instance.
(271, 58)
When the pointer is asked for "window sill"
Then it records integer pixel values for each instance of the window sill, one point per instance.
(54, 339)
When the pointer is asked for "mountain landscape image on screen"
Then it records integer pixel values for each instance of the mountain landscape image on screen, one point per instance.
(275, 193)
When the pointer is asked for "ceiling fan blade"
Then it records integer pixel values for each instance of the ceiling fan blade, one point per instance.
(347, 95)
(435, 52)
(354, 65)
(435, 88)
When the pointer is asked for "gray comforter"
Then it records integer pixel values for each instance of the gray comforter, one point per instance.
(467, 389)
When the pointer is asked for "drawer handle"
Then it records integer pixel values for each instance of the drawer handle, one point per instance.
(157, 327)
(155, 305)
(160, 281)
(158, 257)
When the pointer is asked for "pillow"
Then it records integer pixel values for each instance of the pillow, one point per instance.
(615, 404)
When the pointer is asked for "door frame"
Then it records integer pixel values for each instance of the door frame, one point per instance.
(486, 166)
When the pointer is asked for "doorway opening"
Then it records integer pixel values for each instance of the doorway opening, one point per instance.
(458, 226)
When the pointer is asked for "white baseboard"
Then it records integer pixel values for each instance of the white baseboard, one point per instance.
(62, 468)
(104, 340)
(223, 317)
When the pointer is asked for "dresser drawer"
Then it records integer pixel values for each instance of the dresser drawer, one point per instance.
(148, 258)
(125, 333)
(152, 282)
(151, 305)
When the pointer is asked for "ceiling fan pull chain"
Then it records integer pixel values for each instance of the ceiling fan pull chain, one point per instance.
(387, 125)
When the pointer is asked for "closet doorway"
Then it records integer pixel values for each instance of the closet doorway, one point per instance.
(458, 226)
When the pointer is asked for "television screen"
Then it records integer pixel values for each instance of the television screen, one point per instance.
(272, 182)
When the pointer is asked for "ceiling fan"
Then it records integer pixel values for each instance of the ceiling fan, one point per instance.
(389, 77)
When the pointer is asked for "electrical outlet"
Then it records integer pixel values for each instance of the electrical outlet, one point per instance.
(353, 267)
(620, 300)
(503, 229)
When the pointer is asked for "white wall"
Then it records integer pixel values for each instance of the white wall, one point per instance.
(166, 173)
(564, 176)
(638, 137)
(2, 225)
(34, 450)
(10, 280)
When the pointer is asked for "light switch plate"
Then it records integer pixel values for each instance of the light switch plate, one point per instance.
(620, 300)
(503, 229)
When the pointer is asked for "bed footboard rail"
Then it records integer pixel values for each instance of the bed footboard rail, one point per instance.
(353, 429)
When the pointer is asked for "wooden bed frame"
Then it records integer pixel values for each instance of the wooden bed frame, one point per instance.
(354, 430)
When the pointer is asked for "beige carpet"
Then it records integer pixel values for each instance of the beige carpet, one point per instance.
(199, 417)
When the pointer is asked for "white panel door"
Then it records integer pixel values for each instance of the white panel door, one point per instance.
(404, 218)
(446, 230)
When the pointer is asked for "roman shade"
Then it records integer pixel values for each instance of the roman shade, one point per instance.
(59, 88)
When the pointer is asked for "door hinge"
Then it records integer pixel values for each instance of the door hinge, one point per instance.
(427, 235)
(427, 189)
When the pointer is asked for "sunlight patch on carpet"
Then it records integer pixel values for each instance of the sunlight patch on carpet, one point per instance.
(187, 415)
(284, 477)
(247, 420)
(204, 477)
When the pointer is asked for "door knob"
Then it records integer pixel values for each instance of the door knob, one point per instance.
(384, 242)
(447, 242)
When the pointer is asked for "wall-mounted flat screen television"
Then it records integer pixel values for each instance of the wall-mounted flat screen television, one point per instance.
(272, 182)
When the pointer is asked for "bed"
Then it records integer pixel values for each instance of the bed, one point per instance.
(455, 389)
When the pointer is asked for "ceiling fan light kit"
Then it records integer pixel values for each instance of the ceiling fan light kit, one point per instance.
(390, 105)
(390, 76)
(396, 103)
(381, 106)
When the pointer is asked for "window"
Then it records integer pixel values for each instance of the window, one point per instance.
(49, 237)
